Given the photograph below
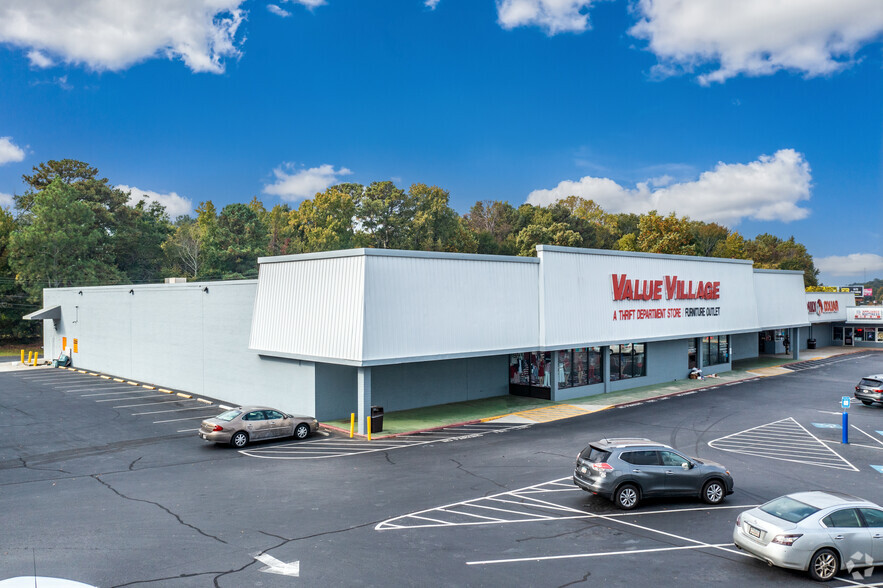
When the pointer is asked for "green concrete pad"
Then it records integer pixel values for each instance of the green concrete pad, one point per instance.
(418, 419)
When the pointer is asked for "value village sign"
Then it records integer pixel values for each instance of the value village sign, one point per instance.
(668, 288)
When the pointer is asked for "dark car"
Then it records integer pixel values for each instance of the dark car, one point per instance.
(870, 389)
(628, 470)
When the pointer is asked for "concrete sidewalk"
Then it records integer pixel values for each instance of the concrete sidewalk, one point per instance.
(518, 409)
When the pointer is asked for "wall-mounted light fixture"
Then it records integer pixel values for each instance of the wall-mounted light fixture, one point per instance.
(80, 292)
(205, 289)
(132, 292)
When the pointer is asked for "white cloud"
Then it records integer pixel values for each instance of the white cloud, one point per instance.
(6, 200)
(756, 37)
(553, 16)
(175, 205)
(278, 11)
(854, 264)
(767, 189)
(108, 35)
(431, 4)
(9, 151)
(38, 59)
(297, 185)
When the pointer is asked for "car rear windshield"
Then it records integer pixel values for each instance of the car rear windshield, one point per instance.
(788, 509)
(229, 415)
(594, 455)
(870, 383)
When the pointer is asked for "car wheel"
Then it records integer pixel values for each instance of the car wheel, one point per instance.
(867, 402)
(713, 492)
(824, 565)
(239, 439)
(626, 497)
(301, 431)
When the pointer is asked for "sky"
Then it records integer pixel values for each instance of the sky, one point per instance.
(765, 116)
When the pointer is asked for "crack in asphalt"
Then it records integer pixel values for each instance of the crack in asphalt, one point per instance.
(132, 465)
(386, 455)
(460, 467)
(583, 580)
(97, 478)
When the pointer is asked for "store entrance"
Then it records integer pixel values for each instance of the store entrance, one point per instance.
(847, 336)
(530, 374)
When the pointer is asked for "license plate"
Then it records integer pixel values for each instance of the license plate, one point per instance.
(754, 531)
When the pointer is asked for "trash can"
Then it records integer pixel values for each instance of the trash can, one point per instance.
(810, 343)
(376, 419)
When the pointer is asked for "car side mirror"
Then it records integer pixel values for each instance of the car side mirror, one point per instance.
(686, 465)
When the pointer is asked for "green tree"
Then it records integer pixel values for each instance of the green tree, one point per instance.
(552, 234)
(58, 243)
(240, 239)
(665, 234)
(183, 249)
(384, 214)
(325, 223)
(435, 225)
(771, 252)
(733, 247)
(138, 243)
(707, 236)
(14, 301)
(492, 222)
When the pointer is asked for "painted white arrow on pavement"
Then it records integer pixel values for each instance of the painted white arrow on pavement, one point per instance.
(274, 566)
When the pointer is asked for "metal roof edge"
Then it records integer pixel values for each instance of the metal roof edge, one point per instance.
(758, 270)
(616, 253)
(367, 252)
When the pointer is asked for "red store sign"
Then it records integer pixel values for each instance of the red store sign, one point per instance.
(669, 288)
(822, 306)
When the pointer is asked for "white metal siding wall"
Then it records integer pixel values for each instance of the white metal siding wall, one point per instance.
(781, 299)
(180, 337)
(432, 307)
(579, 307)
(311, 307)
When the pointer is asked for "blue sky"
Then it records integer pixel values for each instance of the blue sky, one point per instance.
(763, 115)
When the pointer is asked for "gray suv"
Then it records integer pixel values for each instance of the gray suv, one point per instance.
(870, 390)
(627, 470)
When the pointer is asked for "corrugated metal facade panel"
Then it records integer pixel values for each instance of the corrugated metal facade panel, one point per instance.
(312, 307)
(431, 306)
(781, 299)
(579, 307)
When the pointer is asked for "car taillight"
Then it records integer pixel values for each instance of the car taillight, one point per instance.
(601, 466)
(739, 520)
(786, 539)
(217, 428)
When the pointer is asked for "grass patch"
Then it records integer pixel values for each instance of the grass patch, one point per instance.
(14, 349)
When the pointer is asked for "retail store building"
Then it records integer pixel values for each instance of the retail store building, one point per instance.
(332, 333)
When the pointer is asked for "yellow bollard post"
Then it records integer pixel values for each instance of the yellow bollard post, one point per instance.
(369, 427)
(36, 353)
(30, 356)
(22, 355)
(352, 424)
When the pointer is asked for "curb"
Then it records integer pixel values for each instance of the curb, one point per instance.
(414, 432)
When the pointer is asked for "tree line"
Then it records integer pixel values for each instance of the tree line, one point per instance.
(73, 228)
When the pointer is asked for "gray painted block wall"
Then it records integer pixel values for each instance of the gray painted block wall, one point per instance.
(743, 346)
(666, 361)
(182, 338)
(413, 385)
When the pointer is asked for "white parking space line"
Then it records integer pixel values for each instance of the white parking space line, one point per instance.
(147, 403)
(123, 390)
(337, 447)
(199, 418)
(783, 440)
(597, 554)
(133, 398)
(868, 435)
(187, 430)
(173, 410)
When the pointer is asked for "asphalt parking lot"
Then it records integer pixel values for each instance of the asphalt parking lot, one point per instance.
(106, 483)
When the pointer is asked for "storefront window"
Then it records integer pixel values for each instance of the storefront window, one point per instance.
(869, 334)
(838, 333)
(880, 335)
(530, 369)
(579, 367)
(715, 350)
(627, 360)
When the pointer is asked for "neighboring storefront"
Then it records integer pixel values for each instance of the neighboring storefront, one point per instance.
(333, 333)
(863, 327)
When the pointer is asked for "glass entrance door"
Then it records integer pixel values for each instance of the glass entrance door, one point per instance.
(847, 336)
